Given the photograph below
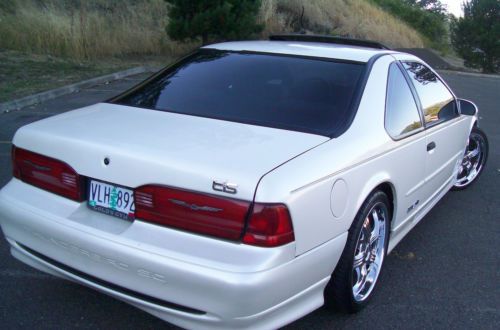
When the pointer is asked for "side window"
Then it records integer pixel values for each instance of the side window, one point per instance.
(438, 104)
(401, 113)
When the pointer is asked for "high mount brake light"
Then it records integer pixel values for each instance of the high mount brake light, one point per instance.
(46, 173)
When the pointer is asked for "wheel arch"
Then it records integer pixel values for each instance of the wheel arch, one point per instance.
(383, 183)
(389, 190)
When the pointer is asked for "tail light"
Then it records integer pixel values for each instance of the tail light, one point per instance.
(269, 225)
(46, 173)
(194, 212)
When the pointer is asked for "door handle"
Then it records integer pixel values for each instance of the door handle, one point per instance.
(431, 146)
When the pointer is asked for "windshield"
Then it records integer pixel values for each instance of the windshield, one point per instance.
(295, 93)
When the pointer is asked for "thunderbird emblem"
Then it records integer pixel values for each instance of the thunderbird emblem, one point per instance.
(194, 207)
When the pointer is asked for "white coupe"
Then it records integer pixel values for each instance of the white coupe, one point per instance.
(245, 185)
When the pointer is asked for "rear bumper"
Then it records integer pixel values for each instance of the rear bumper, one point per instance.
(144, 264)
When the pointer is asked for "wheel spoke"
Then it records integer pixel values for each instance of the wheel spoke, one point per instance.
(375, 233)
(365, 233)
(361, 273)
(473, 153)
(371, 277)
(358, 260)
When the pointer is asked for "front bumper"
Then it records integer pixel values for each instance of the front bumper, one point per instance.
(188, 280)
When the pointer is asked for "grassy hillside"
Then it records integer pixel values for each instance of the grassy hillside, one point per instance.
(352, 18)
(102, 28)
(85, 29)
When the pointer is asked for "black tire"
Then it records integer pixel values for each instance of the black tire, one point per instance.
(479, 139)
(339, 291)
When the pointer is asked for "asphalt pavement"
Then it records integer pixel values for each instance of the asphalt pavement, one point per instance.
(444, 274)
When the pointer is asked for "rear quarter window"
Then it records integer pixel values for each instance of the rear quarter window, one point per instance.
(295, 93)
(438, 104)
(401, 113)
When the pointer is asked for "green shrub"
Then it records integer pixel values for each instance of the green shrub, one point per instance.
(212, 19)
(475, 36)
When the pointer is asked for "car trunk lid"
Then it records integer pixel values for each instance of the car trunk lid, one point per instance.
(152, 147)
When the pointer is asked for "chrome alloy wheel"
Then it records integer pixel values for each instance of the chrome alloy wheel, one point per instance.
(369, 252)
(473, 161)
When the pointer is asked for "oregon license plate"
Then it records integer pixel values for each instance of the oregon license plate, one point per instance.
(111, 199)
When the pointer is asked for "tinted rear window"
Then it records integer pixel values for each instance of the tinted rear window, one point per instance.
(295, 93)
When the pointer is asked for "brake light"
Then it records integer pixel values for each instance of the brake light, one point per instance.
(190, 211)
(46, 173)
(269, 225)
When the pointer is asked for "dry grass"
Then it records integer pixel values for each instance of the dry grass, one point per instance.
(87, 29)
(351, 18)
(102, 28)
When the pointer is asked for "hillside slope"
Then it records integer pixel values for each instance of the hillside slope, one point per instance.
(352, 18)
(106, 28)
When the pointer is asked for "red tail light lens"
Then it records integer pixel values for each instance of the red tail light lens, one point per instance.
(269, 225)
(194, 212)
(46, 173)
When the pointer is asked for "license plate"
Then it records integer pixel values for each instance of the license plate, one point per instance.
(111, 199)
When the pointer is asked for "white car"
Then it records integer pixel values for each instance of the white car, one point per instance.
(246, 185)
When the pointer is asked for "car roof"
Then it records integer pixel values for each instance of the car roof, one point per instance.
(301, 48)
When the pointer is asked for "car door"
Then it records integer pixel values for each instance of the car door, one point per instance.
(444, 129)
(404, 124)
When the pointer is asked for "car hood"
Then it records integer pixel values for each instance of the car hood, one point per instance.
(155, 147)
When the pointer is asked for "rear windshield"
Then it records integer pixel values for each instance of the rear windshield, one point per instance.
(295, 93)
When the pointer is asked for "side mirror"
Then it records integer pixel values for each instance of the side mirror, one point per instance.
(467, 107)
